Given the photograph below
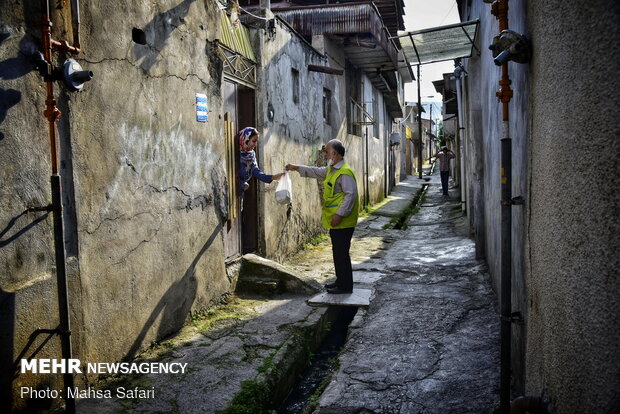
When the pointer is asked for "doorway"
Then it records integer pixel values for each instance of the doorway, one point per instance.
(241, 233)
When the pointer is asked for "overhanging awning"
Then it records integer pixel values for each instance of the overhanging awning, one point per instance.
(236, 37)
(235, 49)
(363, 37)
(439, 44)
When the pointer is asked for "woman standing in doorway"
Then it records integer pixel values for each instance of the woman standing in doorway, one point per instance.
(248, 139)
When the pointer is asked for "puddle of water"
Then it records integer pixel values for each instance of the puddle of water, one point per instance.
(321, 363)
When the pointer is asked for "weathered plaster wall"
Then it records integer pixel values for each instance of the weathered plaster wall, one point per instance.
(573, 351)
(27, 274)
(484, 149)
(405, 162)
(298, 130)
(376, 143)
(294, 135)
(565, 239)
(474, 163)
(335, 58)
(144, 182)
(149, 178)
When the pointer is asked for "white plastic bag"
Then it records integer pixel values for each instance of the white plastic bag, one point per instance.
(284, 193)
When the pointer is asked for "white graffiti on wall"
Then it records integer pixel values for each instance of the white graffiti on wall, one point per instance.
(162, 159)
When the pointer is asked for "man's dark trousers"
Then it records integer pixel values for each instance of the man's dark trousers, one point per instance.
(444, 181)
(341, 244)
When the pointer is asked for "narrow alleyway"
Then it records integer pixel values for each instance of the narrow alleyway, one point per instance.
(428, 342)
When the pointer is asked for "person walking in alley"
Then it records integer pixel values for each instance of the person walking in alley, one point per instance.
(444, 155)
(248, 139)
(339, 212)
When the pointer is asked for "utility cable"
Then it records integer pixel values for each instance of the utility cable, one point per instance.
(447, 14)
(253, 15)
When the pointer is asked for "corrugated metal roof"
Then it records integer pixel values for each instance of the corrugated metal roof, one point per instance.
(391, 11)
(345, 19)
(332, 19)
(236, 38)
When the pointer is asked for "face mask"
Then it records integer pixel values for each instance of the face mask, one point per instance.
(330, 162)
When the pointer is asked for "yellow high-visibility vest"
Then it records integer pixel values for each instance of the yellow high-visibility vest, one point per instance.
(332, 202)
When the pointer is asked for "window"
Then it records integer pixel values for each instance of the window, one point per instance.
(327, 105)
(354, 89)
(295, 88)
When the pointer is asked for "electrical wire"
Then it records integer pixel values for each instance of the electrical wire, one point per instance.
(253, 15)
(447, 14)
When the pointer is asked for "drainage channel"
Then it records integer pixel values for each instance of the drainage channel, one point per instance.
(400, 222)
(322, 362)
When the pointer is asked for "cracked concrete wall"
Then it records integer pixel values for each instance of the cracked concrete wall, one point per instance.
(149, 180)
(144, 182)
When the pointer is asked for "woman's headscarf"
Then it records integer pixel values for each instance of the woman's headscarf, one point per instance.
(248, 158)
(244, 137)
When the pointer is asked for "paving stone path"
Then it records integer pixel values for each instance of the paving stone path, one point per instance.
(429, 341)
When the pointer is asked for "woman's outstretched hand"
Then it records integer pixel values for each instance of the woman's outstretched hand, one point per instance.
(277, 176)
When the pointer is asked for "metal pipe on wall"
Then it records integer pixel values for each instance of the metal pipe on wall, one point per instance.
(387, 162)
(366, 180)
(52, 114)
(75, 19)
(506, 266)
(499, 9)
(461, 134)
(419, 128)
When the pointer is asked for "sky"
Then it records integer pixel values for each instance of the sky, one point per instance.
(422, 14)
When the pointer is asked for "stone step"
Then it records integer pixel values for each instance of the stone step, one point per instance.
(265, 269)
(259, 285)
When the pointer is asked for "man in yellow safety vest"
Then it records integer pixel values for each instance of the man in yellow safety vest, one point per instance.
(340, 209)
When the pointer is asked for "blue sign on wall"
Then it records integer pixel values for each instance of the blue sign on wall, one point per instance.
(201, 108)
